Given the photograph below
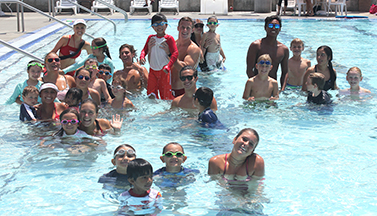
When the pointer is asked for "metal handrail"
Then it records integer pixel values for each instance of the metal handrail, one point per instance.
(115, 8)
(20, 50)
(92, 12)
(40, 12)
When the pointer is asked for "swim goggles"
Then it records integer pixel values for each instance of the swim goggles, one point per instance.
(118, 87)
(271, 25)
(35, 64)
(159, 24)
(73, 121)
(82, 77)
(183, 78)
(171, 154)
(130, 153)
(97, 47)
(212, 23)
(94, 67)
(264, 62)
(103, 72)
(52, 59)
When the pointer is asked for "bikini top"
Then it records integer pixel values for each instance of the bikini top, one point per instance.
(68, 50)
(57, 116)
(98, 127)
(61, 93)
(329, 84)
(247, 172)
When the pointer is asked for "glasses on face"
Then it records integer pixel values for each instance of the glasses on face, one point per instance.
(212, 23)
(104, 72)
(36, 64)
(97, 47)
(183, 78)
(199, 25)
(94, 67)
(159, 24)
(271, 25)
(52, 59)
(122, 152)
(83, 77)
(171, 154)
(117, 87)
(73, 121)
(264, 63)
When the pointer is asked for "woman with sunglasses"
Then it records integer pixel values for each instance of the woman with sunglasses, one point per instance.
(241, 168)
(99, 49)
(70, 46)
(196, 37)
(52, 64)
(83, 78)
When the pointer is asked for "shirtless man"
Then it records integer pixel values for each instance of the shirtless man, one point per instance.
(98, 84)
(269, 45)
(136, 76)
(189, 54)
(188, 78)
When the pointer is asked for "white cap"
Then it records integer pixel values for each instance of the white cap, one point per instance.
(78, 21)
(48, 86)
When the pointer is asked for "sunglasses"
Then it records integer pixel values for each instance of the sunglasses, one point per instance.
(183, 78)
(118, 87)
(159, 24)
(73, 121)
(264, 62)
(94, 67)
(271, 25)
(103, 72)
(212, 23)
(130, 153)
(199, 25)
(97, 47)
(171, 154)
(82, 77)
(36, 64)
(52, 59)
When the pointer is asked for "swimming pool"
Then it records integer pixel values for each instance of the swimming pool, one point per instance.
(317, 162)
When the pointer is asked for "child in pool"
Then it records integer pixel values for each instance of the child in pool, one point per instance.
(106, 74)
(69, 120)
(140, 199)
(123, 154)
(73, 98)
(213, 50)
(30, 98)
(120, 100)
(203, 99)
(34, 70)
(174, 174)
(354, 77)
(316, 94)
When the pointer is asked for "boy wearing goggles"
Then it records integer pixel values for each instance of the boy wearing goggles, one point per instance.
(98, 84)
(160, 62)
(262, 87)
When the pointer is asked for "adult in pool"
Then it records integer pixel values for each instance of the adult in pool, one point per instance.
(242, 166)
(49, 110)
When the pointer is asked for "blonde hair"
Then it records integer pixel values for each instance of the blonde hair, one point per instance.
(264, 57)
(318, 79)
(356, 69)
(297, 41)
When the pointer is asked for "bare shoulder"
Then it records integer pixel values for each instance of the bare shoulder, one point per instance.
(281, 45)
(104, 124)
(256, 43)
(176, 101)
(193, 47)
(272, 80)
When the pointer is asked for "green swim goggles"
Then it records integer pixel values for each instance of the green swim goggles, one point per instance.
(97, 47)
(35, 64)
(171, 154)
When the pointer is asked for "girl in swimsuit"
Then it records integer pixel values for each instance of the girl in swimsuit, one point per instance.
(323, 66)
(242, 164)
(69, 44)
(93, 126)
(83, 78)
(119, 90)
(49, 110)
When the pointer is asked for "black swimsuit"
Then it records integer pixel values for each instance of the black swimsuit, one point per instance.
(329, 84)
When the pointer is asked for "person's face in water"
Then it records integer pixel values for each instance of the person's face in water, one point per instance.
(70, 123)
(245, 143)
(52, 62)
(71, 101)
(88, 114)
(122, 158)
(322, 57)
(126, 55)
(173, 161)
(273, 28)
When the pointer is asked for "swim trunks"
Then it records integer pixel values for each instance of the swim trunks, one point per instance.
(214, 60)
(289, 86)
(177, 92)
(159, 82)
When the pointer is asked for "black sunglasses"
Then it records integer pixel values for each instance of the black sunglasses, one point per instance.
(82, 77)
(52, 59)
(183, 78)
(103, 72)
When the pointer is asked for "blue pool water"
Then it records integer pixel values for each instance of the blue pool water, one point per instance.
(318, 162)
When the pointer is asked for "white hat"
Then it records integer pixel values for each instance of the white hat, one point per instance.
(48, 86)
(78, 21)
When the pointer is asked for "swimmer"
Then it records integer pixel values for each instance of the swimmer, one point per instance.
(83, 78)
(203, 99)
(354, 77)
(316, 94)
(49, 110)
(123, 154)
(30, 98)
(120, 100)
(69, 120)
(105, 73)
(98, 84)
(34, 70)
(73, 98)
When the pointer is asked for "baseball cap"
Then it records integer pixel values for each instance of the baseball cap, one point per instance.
(48, 86)
(78, 21)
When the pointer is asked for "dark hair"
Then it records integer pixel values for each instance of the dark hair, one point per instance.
(106, 67)
(32, 61)
(81, 69)
(30, 89)
(188, 19)
(172, 143)
(130, 47)
(123, 145)
(328, 52)
(251, 130)
(69, 110)
(188, 67)
(91, 60)
(138, 167)
(158, 17)
(101, 41)
(76, 93)
(89, 100)
(214, 17)
(45, 59)
(205, 96)
(270, 19)
(318, 79)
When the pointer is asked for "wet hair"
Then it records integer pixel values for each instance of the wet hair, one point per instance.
(106, 67)
(130, 47)
(83, 69)
(123, 145)
(356, 69)
(188, 19)
(101, 41)
(252, 131)
(76, 93)
(45, 59)
(297, 41)
(172, 143)
(89, 100)
(158, 17)
(32, 61)
(188, 67)
(138, 167)
(204, 96)
(212, 17)
(269, 19)
(318, 79)
(29, 89)
(69, 110)
(328, 52)
(90, 61)
(264, 57)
